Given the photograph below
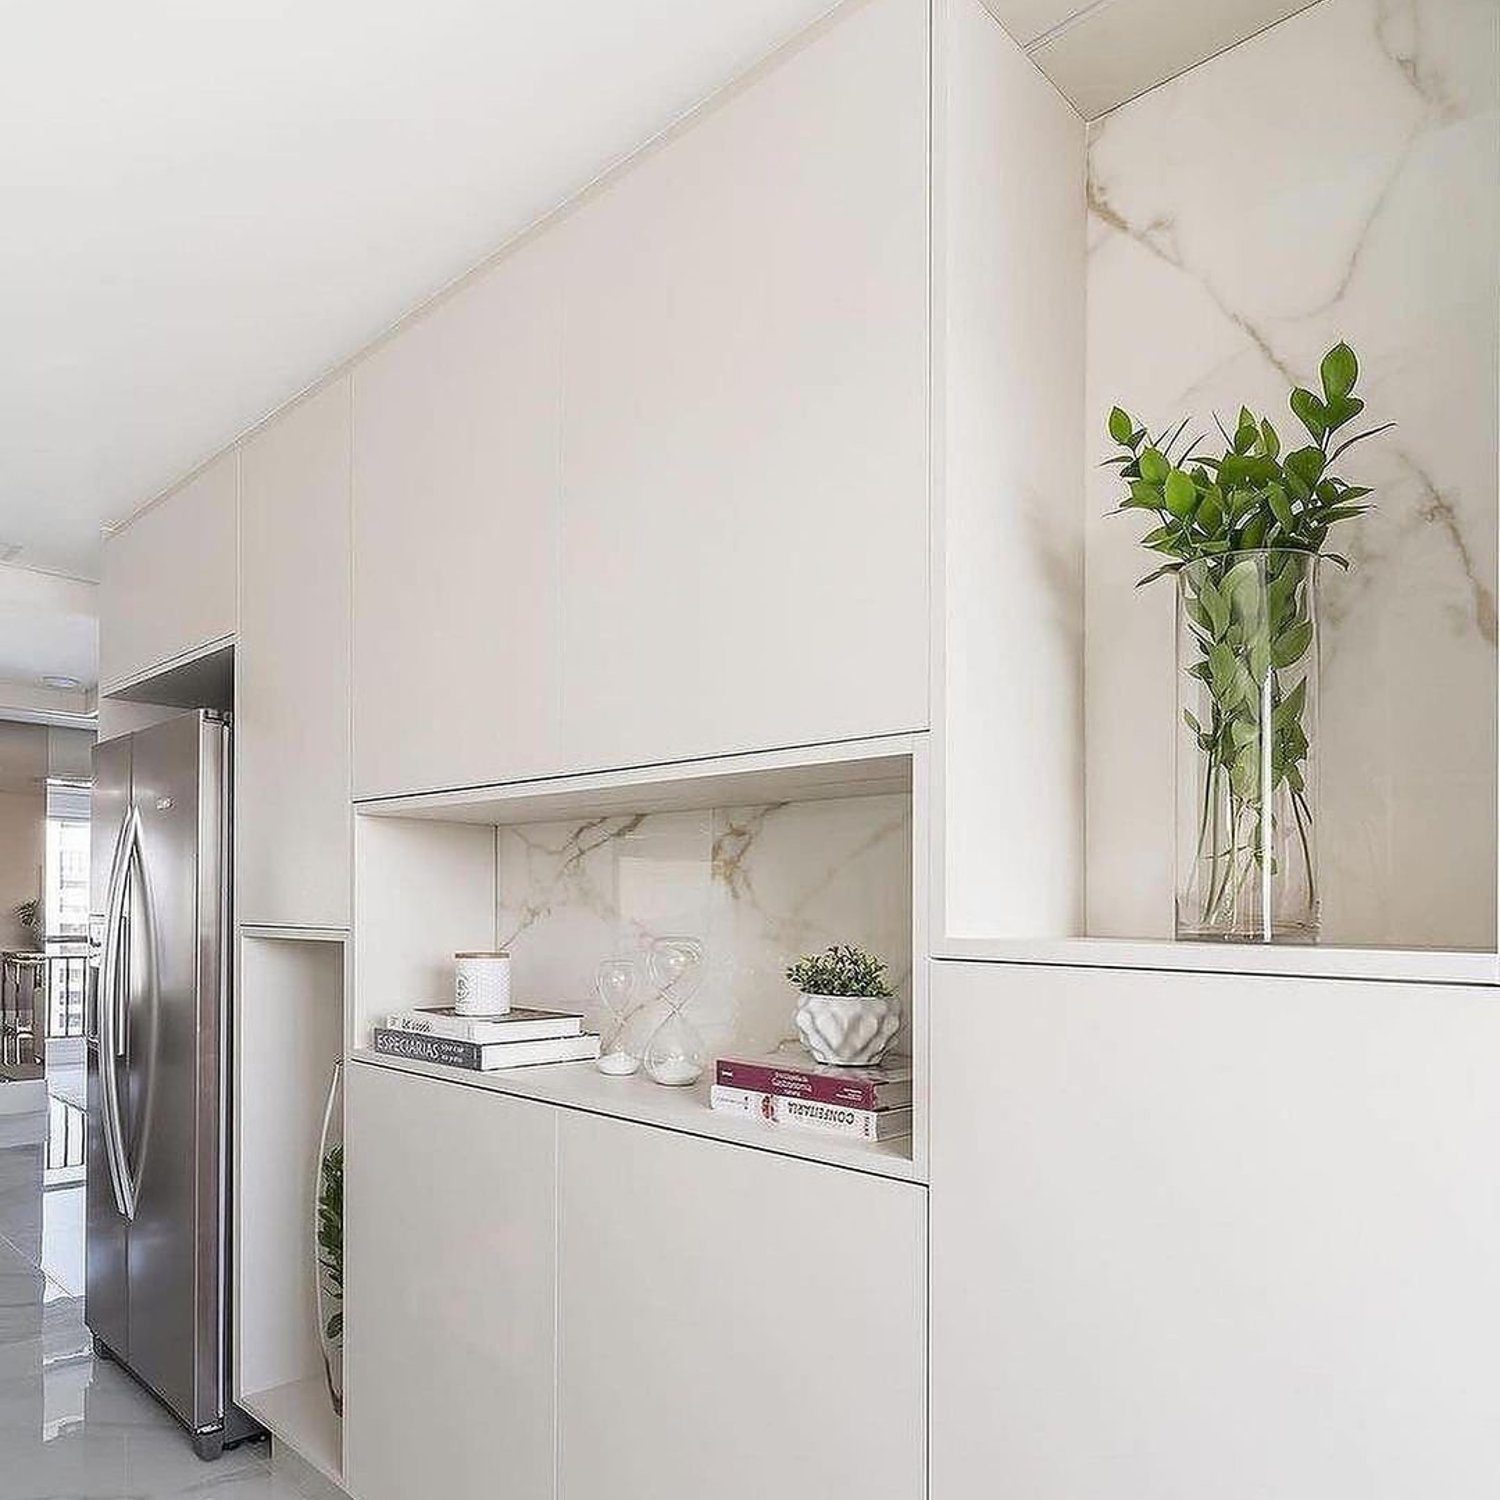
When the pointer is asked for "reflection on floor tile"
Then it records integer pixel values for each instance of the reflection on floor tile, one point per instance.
(73, 1427)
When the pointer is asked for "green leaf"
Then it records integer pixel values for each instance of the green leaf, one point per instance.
(1260, 657)
(1244, 774)
(1216, 605)
(1339, 371)
(1310, 412)
(1180, 493)
(1281, 589)
(1121, 427)
(1343, 409)
(1307, 465)
(1247, 432)
(1221, 666)
(1289, 710)
(1154, 466)
(1281, 507)
(1291, 644)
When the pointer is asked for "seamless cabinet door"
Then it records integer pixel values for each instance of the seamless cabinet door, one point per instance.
(455, 538)
(744, 542)
(292, 695)
(170, 578)
(1212, 1235)
(734, 1324)
(450, 1199)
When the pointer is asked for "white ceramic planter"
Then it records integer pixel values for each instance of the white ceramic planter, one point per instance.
(848, 1031)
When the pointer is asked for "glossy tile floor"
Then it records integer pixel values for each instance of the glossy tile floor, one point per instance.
(72, 1428)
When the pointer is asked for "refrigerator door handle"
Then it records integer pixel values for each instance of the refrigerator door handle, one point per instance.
(111, 1041)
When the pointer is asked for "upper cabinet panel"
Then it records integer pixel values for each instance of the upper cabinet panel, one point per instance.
(292, 699)
(744, 514)
(455, 538)
(170, 578)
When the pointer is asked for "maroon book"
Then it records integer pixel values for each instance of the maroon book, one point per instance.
(887, 1086)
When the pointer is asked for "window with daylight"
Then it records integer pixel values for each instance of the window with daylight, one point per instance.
(67, 897)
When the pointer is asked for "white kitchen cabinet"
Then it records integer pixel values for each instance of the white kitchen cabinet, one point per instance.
(292, 659)
(170, 578)
(456, 610)
(1212, 1235)
(450, 1198)
(733, 1323)
(744, 487)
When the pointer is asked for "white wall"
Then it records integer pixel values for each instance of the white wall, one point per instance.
(23, 830)
(1332, 178)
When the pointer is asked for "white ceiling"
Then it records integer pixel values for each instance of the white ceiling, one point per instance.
(207, 205)
(1101, 53)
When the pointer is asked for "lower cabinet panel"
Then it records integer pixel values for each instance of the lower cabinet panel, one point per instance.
(1212, 1236)
(734, 1324)
(450, 1213)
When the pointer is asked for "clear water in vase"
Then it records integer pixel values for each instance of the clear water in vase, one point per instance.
(1247, 714)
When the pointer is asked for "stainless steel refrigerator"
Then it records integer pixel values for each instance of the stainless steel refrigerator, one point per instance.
(158, 1031)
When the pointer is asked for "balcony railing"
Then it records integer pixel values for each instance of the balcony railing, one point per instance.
(41, 998)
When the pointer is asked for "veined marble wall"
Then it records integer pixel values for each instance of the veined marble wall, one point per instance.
(1336, 177)
(759, 885)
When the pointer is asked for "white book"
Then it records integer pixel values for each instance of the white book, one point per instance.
(515, 1025)
(811, 1114)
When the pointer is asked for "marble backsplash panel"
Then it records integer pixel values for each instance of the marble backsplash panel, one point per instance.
(759, 885)
(1336, 177)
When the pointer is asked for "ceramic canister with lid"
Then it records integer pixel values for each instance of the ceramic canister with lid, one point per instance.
(481, 984)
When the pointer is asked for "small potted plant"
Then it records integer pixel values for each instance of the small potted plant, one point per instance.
(847, 1015)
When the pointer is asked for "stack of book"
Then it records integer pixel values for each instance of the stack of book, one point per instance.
(863, 1104)
(517, 1039)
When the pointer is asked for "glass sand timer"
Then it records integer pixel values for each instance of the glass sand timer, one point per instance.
(674, 1052)
(620, 1048)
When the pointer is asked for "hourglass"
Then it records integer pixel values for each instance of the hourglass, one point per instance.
(619, 1049)
(674, 1053)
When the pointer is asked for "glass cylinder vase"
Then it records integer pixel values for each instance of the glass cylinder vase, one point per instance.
(1247, 717)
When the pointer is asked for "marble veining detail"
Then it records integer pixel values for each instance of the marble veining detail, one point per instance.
(1332, 178)
(759, 885)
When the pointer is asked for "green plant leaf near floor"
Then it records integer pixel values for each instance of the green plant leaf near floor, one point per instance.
(331, 1235)
(1241, 520)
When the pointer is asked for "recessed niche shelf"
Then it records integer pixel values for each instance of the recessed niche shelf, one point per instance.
(1312, 961)
(300, 1415)
(289, 1018)
(763, 856)
(1055, 689)
(859, 768)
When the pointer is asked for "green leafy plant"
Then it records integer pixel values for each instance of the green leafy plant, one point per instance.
(841, 970)
(1251, 496)
(29, 915)
(331, 1235)
(1242, 528)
